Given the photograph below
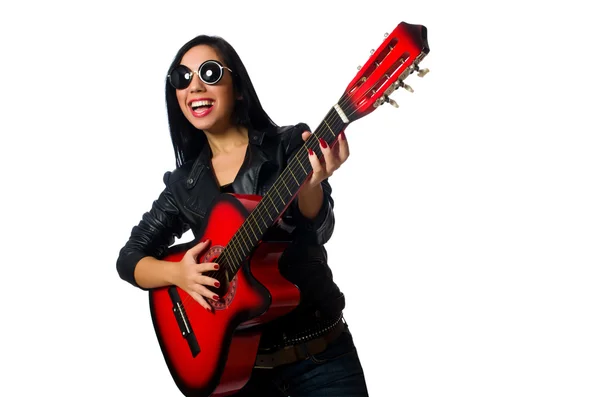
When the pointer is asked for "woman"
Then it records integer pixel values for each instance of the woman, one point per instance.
(225, 142)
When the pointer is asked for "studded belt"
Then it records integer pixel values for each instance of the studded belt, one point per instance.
(301, 348)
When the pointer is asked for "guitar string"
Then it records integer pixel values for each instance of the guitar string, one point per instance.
(292, 168)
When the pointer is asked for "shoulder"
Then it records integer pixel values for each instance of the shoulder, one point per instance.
(178, 175)
(288, 137)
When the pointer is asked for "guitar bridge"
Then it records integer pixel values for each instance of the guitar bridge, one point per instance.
(182, 320)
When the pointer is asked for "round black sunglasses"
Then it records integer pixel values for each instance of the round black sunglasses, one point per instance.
(210, 72)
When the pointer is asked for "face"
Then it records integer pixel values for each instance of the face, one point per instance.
(207, 106)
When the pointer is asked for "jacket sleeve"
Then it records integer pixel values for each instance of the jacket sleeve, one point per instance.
(320, 229)
(153, 235)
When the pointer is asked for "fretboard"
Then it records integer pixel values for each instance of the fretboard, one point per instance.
(281, 193)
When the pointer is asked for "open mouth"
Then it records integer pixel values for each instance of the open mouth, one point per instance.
(201, 107)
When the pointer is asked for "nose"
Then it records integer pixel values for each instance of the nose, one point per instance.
(196, 84)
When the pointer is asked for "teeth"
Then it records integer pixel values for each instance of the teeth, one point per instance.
(206, 102)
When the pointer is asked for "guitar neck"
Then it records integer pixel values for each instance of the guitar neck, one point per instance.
(395, 59)
(285, 187)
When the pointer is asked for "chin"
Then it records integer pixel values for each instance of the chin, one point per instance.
(202, 125)
(210, 124)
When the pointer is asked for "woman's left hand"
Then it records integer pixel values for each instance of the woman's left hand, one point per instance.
(333, 158)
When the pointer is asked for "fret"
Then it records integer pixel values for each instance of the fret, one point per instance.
(306, 173)
(287, 188)
(239, 243)
(267, 212)
(235, 251)
(258, 211)
(261, 217)
(329, 128)
(263, 206)
(333, 124)
(294, 176)
(277, 191)
(232, 251)
(252, 229)
(240, 252)
(243, 228)
(274, 206)
(223, 260)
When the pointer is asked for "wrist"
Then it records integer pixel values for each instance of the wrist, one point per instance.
(307, 190)
(310, 200)
(171, 271)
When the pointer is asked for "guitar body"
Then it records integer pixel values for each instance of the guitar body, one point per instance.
(213, 353)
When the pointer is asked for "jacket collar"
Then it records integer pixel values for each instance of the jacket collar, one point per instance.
(247, 177)
(256, 137)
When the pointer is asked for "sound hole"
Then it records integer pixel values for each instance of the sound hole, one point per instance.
(225, 276)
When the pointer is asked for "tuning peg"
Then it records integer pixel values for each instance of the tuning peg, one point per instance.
(391, 101)
(383, 99)
(372, 51)
(386, 34)
(405, 86)
(423, 72)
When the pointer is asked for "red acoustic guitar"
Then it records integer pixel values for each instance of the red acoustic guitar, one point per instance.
(213, 353)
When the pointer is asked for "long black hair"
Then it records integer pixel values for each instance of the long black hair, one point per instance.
(248, 112)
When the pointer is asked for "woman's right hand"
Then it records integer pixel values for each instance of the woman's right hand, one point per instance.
(191, 279)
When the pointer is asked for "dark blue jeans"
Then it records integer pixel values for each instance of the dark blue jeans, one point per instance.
(334, 372)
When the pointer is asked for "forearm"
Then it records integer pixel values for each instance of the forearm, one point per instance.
(311, 213)
(153, 273)
(310, 200)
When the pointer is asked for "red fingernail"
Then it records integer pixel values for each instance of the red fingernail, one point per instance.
(208, 310)
(216, 297)
(310, 151)
(323, 143)
(217, 284)
(217, 267)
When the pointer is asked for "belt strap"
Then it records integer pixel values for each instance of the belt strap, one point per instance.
(290, 354)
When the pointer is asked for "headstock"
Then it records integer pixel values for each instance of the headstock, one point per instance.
(397, 57)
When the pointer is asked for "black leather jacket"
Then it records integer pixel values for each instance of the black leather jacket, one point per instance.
(188, 192)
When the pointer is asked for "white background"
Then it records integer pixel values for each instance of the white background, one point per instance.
(467, 225)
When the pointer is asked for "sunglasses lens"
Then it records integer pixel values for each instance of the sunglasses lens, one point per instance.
(181, 77)
(210, 72)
